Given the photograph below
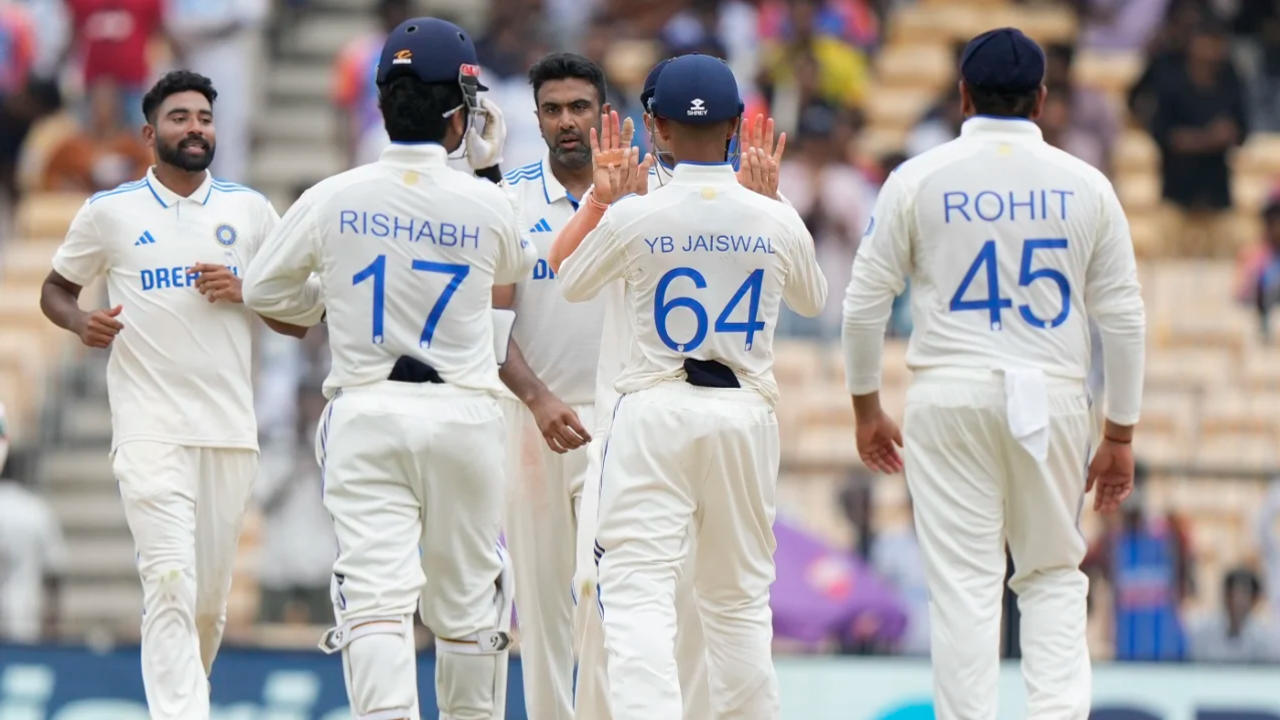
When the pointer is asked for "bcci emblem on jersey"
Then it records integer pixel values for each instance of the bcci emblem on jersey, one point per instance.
(226, 235)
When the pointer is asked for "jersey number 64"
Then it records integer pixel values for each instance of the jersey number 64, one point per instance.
(662, 307)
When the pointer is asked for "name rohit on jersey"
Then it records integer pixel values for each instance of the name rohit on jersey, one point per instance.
(173, 277)
(992, 205)
(712, 244)
(381, 225)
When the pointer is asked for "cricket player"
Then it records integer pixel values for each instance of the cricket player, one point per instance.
(760, 174)
(551, 370)
(408, 251)
(184, 451)
(1011, 246)
(692, 458)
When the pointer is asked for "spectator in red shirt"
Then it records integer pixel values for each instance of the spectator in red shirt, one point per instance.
(111, 38)
(355, 96)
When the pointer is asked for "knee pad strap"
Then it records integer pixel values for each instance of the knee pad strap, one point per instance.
(485, 642)
(337, 638)
(392, 714)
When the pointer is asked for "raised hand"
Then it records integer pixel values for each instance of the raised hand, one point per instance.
(484, 148)
(615, 165)
(760, 155)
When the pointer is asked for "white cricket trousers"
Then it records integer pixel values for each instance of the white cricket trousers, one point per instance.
(413, 477)
(544, 492)
(184, 506)
(975, 488)
(689, 469)
(591, 693)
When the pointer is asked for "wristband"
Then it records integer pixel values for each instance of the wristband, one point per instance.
(1108, 438)
(591, 199)
(493, 174)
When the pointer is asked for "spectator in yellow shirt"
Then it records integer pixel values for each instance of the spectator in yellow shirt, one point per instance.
(841, 72)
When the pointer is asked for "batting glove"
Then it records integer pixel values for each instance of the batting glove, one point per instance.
(484, 149)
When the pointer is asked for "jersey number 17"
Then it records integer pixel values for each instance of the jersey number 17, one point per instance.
(377, 271)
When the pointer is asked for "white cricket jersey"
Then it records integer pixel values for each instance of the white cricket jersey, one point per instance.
(616, 337)
(1011, 246)
(560, 340)
(407, 251)
(707, 264)
(179, 371)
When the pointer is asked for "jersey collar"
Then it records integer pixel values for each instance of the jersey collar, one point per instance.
(411, 156)
(991, 125)
(168, 198)
(689, 172)
(552, 190)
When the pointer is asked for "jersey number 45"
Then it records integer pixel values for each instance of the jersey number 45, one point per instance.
(994, 303)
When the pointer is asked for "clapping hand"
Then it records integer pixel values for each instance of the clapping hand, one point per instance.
(760, 156)
(616, 167)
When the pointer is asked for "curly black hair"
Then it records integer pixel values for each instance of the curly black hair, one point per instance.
(173, 83)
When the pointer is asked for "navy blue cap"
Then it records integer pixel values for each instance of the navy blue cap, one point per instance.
(697, 90)
(431, 49)
(1003, 60)
(651, 83)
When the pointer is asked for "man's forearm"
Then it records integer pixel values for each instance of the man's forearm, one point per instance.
(1118, 433)
(519, 378)
(284, 328)
(301, 306)
(862, 338)
(1123, 359)
(866, 405)
(575, 231)
(61, 306)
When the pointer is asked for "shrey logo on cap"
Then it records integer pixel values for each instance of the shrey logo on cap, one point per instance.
(697, 108)
(403, 57)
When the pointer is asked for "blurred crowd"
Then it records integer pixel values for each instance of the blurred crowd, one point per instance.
(72, 72)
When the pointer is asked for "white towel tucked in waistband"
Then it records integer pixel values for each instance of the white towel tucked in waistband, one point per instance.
(1027, 405)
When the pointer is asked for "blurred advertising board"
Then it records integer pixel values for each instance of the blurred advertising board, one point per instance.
(74, 683)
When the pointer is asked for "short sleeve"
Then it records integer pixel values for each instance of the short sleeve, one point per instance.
(516, 254)
(267, 221)
(83, 255)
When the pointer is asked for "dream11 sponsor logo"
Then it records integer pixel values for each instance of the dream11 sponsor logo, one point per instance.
(28, 692)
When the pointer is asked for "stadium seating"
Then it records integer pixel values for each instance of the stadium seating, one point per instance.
(1213, 389)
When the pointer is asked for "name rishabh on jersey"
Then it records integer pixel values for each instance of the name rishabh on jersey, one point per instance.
(180, 370)
(560, 340)
(707, 264)
(407, 251)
